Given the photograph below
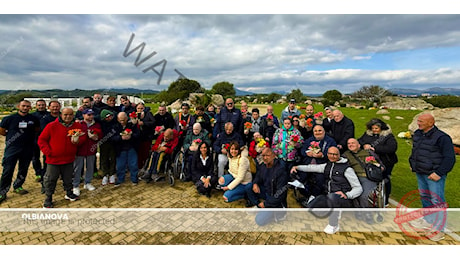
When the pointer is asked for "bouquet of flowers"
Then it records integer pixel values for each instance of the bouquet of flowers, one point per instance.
(309, 122)
(405, 135)
(318, 118)
(133, 117)
(183, 124)
(260, 145)
(247, 127)
(372, 160)
(213, 121)
(159, 129)
(199, 119)
(75, 134)
(195, 144)
(302, 116)
(226, 146)
(127, 131)
(91, 134)
(270, 120)
(294, 139)
(314, 147)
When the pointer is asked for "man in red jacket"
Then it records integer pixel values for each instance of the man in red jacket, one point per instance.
(59, 143)
(164, 146)
(86, 152)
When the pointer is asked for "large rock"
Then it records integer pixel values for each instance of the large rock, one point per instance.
(217, 100)
(176, 106)
(192, 97)
(447, 120)
(406, 103)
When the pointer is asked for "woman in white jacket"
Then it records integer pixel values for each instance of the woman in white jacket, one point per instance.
(239, 176)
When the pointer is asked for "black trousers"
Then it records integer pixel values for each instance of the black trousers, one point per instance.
(9, 163)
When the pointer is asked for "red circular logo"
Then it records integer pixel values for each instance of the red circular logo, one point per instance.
(404, 215)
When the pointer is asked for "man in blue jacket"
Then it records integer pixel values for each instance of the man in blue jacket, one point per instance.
(269, 184)
(432, 158)
(224, 138)
(229, 114)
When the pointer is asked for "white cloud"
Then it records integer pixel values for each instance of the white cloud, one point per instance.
(259, 52)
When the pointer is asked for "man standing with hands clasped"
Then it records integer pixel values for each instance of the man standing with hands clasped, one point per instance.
(432, 158)
(20, 130)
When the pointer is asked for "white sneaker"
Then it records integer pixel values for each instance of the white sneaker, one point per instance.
(105, 180)
(421, 223)
(76, 191)
(112, 179)
(89, 187)
(310, 199)
(331, 229)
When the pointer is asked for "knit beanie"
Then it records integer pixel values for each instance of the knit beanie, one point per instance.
(105, 113)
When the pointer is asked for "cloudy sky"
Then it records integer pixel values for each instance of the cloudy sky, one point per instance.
(261, 53)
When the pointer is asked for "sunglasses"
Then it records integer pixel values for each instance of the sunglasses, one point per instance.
(230, 104)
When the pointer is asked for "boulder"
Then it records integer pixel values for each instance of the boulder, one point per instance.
(446, 119)
(406, 103)
(217, 100)
(175, 106)
(399, 117)
(382, 112)
(193, 97)
(387, 118)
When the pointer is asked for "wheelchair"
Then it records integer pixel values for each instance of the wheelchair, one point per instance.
(167, 168)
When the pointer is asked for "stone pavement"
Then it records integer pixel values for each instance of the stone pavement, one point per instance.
(182, 195)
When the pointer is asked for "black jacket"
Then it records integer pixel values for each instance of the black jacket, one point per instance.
(199, 169)
(342, 131)
(274, 180)
(385, 145)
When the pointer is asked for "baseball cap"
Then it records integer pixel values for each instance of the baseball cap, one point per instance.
(88, 111)
(292, 100)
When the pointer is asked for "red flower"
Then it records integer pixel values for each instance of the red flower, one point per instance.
(226, 146)
(247, 125)
(127, 130)
(309, 122)
(295, 138)
(183, 123)
(270, 117)
(133, 115)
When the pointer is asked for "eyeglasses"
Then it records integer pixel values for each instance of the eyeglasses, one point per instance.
(333, 154)
(230, 104)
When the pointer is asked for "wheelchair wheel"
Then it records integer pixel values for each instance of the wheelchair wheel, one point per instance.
(178, 162)
(378, 218)
(170, 178)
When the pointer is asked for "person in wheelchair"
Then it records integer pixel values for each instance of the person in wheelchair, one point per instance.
(353, 154)
(191, 143)
(223, 140)
(202, 170)
(163, 148)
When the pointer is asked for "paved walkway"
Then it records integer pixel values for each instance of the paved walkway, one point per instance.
(181, 195)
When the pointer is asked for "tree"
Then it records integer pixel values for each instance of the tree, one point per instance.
(331, 96)
(179, 89)
(297, 95)
(224, 88)
(372, 93)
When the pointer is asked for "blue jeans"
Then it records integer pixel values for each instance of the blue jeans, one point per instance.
(127, 159)
(238, 192)
(433, 197)
(265, 217)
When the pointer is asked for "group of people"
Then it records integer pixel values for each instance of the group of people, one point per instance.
(244, 154)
